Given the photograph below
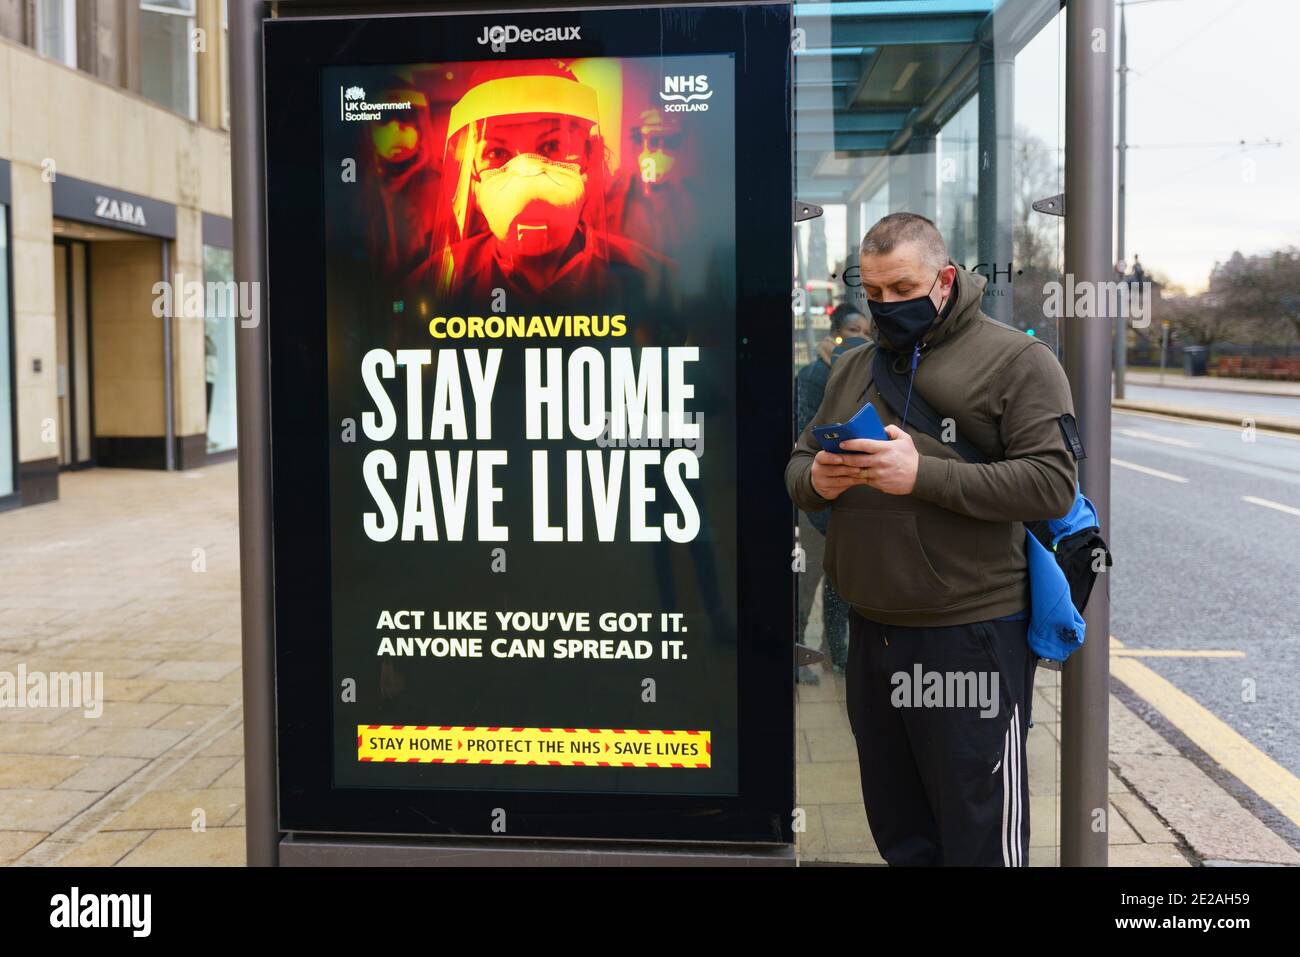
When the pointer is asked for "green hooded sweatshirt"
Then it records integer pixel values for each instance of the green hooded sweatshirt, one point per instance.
(952, 551)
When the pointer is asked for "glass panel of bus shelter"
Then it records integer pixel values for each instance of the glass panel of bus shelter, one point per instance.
(951, 109)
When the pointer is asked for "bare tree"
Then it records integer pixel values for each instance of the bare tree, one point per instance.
(1202, 320)
(1035, 236)
(1258, 296)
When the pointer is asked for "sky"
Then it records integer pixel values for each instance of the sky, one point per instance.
(1204, 76)
(1212, 72)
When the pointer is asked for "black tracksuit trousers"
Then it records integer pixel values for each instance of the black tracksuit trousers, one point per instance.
(940, 717)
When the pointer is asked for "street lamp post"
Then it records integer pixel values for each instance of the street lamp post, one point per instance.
(249, 207)
(1121, 333)
(1086, 355)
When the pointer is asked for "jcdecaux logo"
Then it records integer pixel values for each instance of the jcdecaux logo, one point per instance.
(501, 35)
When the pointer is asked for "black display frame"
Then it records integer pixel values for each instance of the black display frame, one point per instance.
(295, 51)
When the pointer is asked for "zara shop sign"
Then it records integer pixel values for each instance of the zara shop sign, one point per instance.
(100, 205)
(119, 211)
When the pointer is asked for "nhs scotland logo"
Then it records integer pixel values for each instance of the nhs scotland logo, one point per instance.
(686, 94)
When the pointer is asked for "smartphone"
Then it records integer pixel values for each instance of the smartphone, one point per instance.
(865, 424)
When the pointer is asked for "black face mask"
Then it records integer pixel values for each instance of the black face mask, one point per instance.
(852, 342)
(904, 322)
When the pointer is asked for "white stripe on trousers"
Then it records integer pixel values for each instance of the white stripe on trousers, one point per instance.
(1012, 852)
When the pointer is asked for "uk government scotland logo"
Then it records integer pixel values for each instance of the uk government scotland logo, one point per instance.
(354, 107)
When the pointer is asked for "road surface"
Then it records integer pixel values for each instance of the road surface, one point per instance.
(1206, 538)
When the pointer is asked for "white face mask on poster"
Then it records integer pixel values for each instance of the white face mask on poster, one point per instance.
(532, 204)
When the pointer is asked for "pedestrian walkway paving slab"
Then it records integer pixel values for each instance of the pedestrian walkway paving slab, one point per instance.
(124, 742)
(104, 849)
(1209, 819)
(14, 843)
(172, 809)
(41, 809)
(102, 774)
(220, 847)
(1148, 827)
(41, 770)
(829, 788)
(1147, 855)
(104, 580)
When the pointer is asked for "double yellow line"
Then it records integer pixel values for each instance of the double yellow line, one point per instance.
(1236, 755)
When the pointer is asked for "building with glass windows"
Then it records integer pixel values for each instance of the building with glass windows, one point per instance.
(114, 177)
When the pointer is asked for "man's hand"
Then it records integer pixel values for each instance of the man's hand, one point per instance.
(887, 466)
(832, 474)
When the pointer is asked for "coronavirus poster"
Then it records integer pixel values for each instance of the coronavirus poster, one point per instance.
(531, 317)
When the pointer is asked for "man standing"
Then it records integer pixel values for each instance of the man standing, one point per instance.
(929, 551)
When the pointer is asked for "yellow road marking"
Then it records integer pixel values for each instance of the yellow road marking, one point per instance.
(1174, 653)
(1236, 755)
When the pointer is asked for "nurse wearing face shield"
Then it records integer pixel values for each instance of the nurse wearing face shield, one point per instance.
(523, 191)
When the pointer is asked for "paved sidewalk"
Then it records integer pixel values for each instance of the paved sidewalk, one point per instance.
(1209, 383)
(134, 574)
(830, 791)
(1236, 419)
(1164, 809)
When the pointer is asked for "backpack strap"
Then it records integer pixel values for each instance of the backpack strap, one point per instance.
(893, 387)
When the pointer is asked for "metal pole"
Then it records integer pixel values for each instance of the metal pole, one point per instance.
(249, 190)
(997, 85)
(169, 373)
(1164, 348)
(1121, 332)
(1089, 155)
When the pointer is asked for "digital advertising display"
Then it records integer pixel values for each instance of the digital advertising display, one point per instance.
(530, 303)
(532, 368)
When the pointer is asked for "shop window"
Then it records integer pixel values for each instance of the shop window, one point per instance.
(219, 349)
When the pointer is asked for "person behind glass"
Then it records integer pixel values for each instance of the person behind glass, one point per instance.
(929, 550)
(849, 327)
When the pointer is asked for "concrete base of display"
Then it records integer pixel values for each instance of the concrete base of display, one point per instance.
(321, 851)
